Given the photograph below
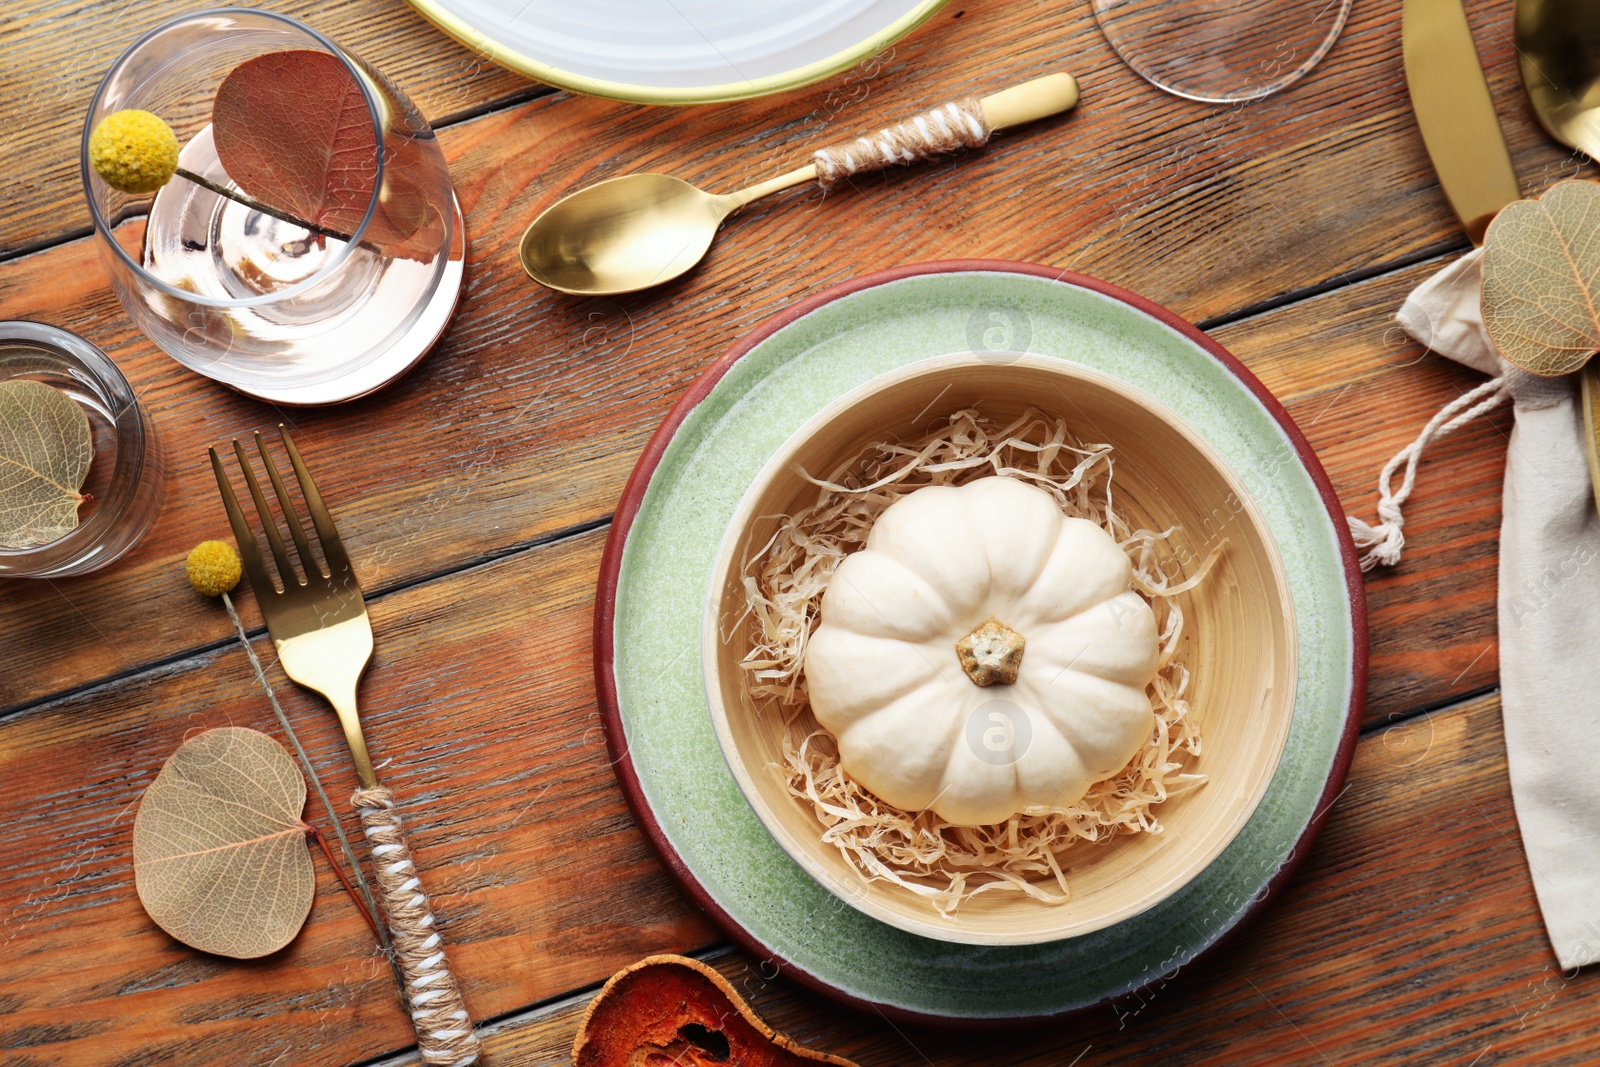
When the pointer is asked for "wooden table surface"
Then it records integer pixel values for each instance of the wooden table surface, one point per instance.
(475, 496)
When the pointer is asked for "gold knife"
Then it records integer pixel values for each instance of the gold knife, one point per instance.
(1462, 133)
(1456, 115)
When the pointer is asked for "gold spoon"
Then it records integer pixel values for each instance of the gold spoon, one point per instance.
(630, 233)
(1558, 47)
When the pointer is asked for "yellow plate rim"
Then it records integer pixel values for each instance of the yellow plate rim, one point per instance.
(456, 27)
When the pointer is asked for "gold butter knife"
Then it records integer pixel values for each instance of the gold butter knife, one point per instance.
(1456, 114)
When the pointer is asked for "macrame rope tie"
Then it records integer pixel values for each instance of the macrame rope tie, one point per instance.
(1382, 543)
(445, 1037)
(949, 128)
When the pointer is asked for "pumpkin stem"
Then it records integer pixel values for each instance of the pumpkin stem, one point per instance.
(991, 654)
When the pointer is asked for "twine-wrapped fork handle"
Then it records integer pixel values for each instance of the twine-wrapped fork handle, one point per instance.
(444, 1031)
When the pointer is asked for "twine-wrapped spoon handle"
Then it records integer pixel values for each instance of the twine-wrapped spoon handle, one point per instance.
(948, 128)
(445, 1036)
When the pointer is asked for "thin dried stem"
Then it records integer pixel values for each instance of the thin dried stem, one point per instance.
(316, 784)
(253, 204)
(322, 843)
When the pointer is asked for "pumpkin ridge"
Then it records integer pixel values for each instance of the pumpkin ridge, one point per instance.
(936, 530)
(1114, 731)
(849, 702)
(990, 797)
(864, 587)
(934, 769)
(983, 499)
(1068, 575)
(1097, 656)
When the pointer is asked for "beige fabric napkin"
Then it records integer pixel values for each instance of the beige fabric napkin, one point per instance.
(1549, 604)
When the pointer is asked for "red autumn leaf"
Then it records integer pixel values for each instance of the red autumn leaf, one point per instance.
(293, 130)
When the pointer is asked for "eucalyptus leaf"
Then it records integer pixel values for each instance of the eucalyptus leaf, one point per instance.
(293, 129)
(220, 856)
(1541, 279)
(45, 451)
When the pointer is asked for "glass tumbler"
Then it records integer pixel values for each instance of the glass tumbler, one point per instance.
(126, 477)
(276, 308)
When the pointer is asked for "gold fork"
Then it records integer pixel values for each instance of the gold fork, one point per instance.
(320, 628)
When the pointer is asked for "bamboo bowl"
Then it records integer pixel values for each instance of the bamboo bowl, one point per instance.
(1239, 640)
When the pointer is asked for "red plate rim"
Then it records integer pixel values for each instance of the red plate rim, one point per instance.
(633, 495)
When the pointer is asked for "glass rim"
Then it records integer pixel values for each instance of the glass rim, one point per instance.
(129, 422)
(103, 227)
(44, 335)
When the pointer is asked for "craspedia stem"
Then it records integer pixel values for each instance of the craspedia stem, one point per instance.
(316, 783)
(136, 152)
(255, 205)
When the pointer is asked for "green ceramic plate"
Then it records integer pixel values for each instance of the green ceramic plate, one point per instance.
(657, 569)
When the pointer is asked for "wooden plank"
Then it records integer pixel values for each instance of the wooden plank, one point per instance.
(57, 53)
(527, 418)
(479, 709)
(1411, 936)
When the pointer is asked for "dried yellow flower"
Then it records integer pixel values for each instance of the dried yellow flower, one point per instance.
(213, 567)
(134, 151)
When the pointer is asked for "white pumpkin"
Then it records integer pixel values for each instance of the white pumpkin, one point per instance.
(975, 736)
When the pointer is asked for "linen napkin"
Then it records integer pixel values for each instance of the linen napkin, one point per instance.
(1549, 601)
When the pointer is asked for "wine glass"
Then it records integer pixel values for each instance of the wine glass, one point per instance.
(227, 281)
(1221, 51)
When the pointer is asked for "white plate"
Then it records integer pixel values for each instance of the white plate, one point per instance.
(678, 51)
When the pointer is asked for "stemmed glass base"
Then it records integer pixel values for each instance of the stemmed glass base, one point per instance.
(1221, 51)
